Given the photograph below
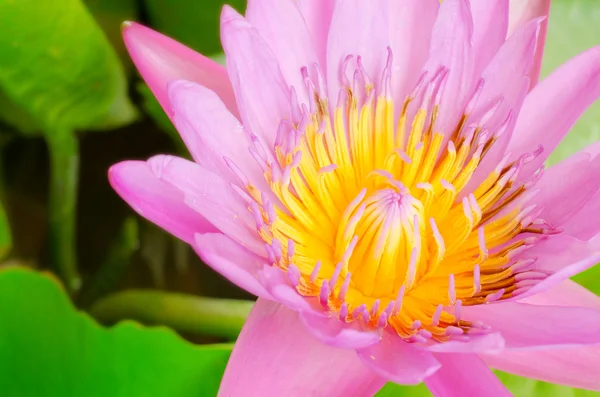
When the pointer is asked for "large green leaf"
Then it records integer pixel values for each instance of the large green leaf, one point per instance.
(49, 349)
(194, 23)
(57, 65)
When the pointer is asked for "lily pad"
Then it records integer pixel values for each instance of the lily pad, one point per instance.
(47, 348)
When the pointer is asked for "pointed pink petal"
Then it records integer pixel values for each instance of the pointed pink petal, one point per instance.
(211, 133)
(281, 24)
(575, 367)
(464, 375)
(336, 333)
(523, 11)
(451, 47)
(551, 109)
(212, 197)
(567, 187)
(317, 15)
(568, 293)
(156, 200)
(275, 356)
(411, 29)
(260, 89)
(232, 261)
(525, 326)
(161, 59)
(277, 283)
(358, 29)
(491, 342)
(505, 78)
(399, 361)
(490, 25)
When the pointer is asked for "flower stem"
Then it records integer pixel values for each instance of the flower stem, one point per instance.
(64, 172)
(185, 313)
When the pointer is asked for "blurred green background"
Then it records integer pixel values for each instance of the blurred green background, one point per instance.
(71, 105)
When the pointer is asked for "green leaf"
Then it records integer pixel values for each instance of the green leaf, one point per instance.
(48, 349)
(194, 23)
(574, 27)
(58, 67)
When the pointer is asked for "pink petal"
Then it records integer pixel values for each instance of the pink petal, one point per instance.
(575, 367)
(551, 109)
(212, 197)
(211, 133)
(276, 356)
(523, 11)
(464, 375)
(156, 200)
(317, 15)
(567, 187)
(491, 342)
(161, 59)
(335, 333)
(260, 89)
(525, 326)
(232, 261)
(451, 47)
(359, 29)
(278, 284)
(568, 293)
(399, 361)
(281, 24)
(411, 28)
(490, 25)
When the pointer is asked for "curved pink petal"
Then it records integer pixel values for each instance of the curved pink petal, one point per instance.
(523, 11)
(399, 361)
(575, 367)
(212, 197)
(526, 326)
(317, 16)
(156, 200)
(451, 47)
(211, 133)
(464, 375)
(161, 59)
(357, 29)
(567, 187)
(281, 24)
(277, 283)
(568, 293)
(565, 95)
(491, 342)
(490, 25)
(276, 356)
(411, 28)
(262, 94)
(335, 333)
(232, 261)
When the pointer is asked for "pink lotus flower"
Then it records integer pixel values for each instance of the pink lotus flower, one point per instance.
(373, 172)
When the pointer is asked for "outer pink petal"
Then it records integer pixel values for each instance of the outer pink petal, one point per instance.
(567, 187)
(399, 361)
(551, 109)
(523, 11)
(276, 356)
(575, 367)
(464, 375)
(156, 200)
(568, 293)
(490, 25)
(332, 331)
(283, 28)
(232, 261)
(212, 197)
(491, 342)
(525, 326)
(161, 59)
(261, 91)
(411, 28)
(451, 47)
(359, 29)
(317, 15)
(211, 133)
